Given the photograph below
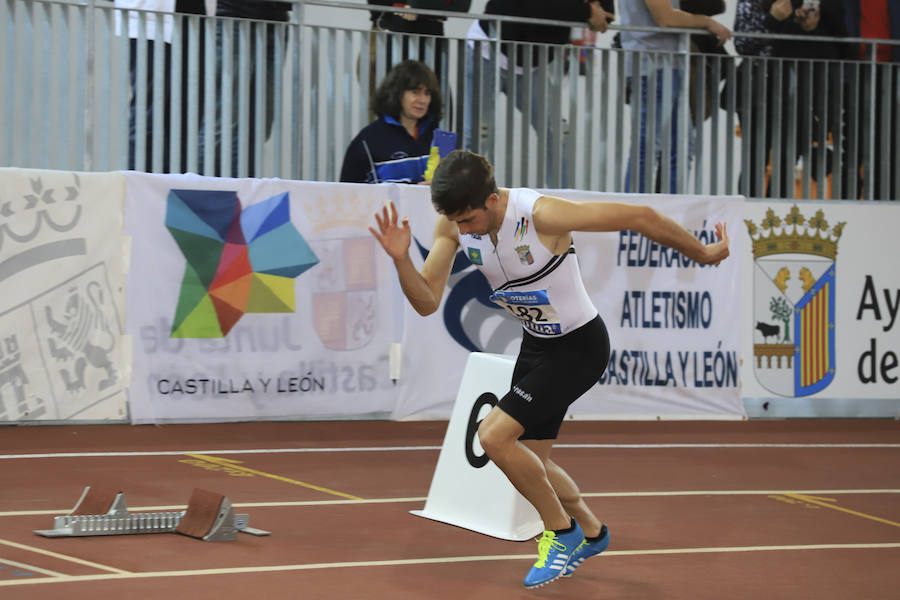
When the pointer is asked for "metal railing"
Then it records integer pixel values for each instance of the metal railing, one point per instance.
(80, 95)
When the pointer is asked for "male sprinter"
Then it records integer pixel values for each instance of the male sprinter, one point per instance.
(522, 242)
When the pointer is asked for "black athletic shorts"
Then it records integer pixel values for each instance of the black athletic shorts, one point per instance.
(551, 374)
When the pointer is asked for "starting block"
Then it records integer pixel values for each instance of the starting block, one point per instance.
(103, 511)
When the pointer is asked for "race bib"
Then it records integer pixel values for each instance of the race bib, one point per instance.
(533, 309)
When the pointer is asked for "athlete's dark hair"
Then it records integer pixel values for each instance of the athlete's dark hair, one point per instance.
(462, 180)
(407, 75)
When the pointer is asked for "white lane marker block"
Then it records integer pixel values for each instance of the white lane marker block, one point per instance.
(467, 489)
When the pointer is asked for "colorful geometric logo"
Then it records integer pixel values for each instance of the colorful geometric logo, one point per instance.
(238, 261)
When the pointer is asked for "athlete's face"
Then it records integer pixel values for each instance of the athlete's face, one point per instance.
(478, 221)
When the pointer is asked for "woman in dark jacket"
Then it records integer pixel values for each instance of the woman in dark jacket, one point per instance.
(395, 147)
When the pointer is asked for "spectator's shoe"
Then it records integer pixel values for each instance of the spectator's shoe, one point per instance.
(554, 551)
(586, 550)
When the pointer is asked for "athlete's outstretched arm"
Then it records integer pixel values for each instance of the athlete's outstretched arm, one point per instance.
(423, 290)
(558, 216)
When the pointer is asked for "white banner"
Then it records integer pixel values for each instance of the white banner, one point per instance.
(257, 299)
(675, 347)
(62, 275)
(821, 308)
(269, 299)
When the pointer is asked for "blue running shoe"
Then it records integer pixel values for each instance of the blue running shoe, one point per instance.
(554, 551)
(586, 550)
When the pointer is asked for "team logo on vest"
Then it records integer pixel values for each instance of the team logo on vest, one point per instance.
(521, 229)
(525, 256)
(474, 256)
(793, 302)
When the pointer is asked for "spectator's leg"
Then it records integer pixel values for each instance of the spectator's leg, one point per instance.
(885, 161)
(373, 85)
(148, 106)
(540, 83)
(441, 52)
(479, 97)
(756, 181)
(764, 115)
(132, 104)
(166, 107)
(641, 150)
(469, 98)
(217, 114)
(187, 79)
(673, 141)
(249, 52)
(894, 132)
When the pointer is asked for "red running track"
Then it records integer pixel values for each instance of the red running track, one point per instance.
(718, 510)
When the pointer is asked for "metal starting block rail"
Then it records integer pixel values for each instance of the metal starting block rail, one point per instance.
(209, 517)
(130, 523)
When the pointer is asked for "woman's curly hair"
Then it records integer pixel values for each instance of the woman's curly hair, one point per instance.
(408, 75)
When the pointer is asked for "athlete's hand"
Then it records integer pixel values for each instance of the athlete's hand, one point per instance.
(717, 251)
(394, 238)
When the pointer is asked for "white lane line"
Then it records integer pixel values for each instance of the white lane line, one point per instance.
(652, 446)
(300, 503)
(25, 567)
(64, 557)
(733, 493)
(234, 451)
(420, 448)
(431, 561)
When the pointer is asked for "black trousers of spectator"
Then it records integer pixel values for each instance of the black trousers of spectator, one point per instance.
(231, 122)
(877, 171)
(756, 115)
(150, 109)
(804, 86)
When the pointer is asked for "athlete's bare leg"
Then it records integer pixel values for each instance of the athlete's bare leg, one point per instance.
(523, 466)
(571, 499)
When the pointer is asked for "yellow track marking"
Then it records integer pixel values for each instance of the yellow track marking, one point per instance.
(233, 464)
(79, 561)
(819, 502)
(431, 561)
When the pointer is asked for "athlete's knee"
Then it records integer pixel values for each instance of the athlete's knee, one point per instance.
(496, 435)
(498, 432)
(491, 439)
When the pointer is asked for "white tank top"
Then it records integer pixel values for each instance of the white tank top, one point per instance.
(544, 291)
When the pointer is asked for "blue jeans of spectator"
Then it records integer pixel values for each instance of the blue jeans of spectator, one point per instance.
(665, 118)
(487, 104)
(232, 121)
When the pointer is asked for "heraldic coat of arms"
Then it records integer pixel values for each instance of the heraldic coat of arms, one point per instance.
(794, 302)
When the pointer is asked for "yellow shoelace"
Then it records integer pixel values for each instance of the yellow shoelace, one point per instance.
(547, 541)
